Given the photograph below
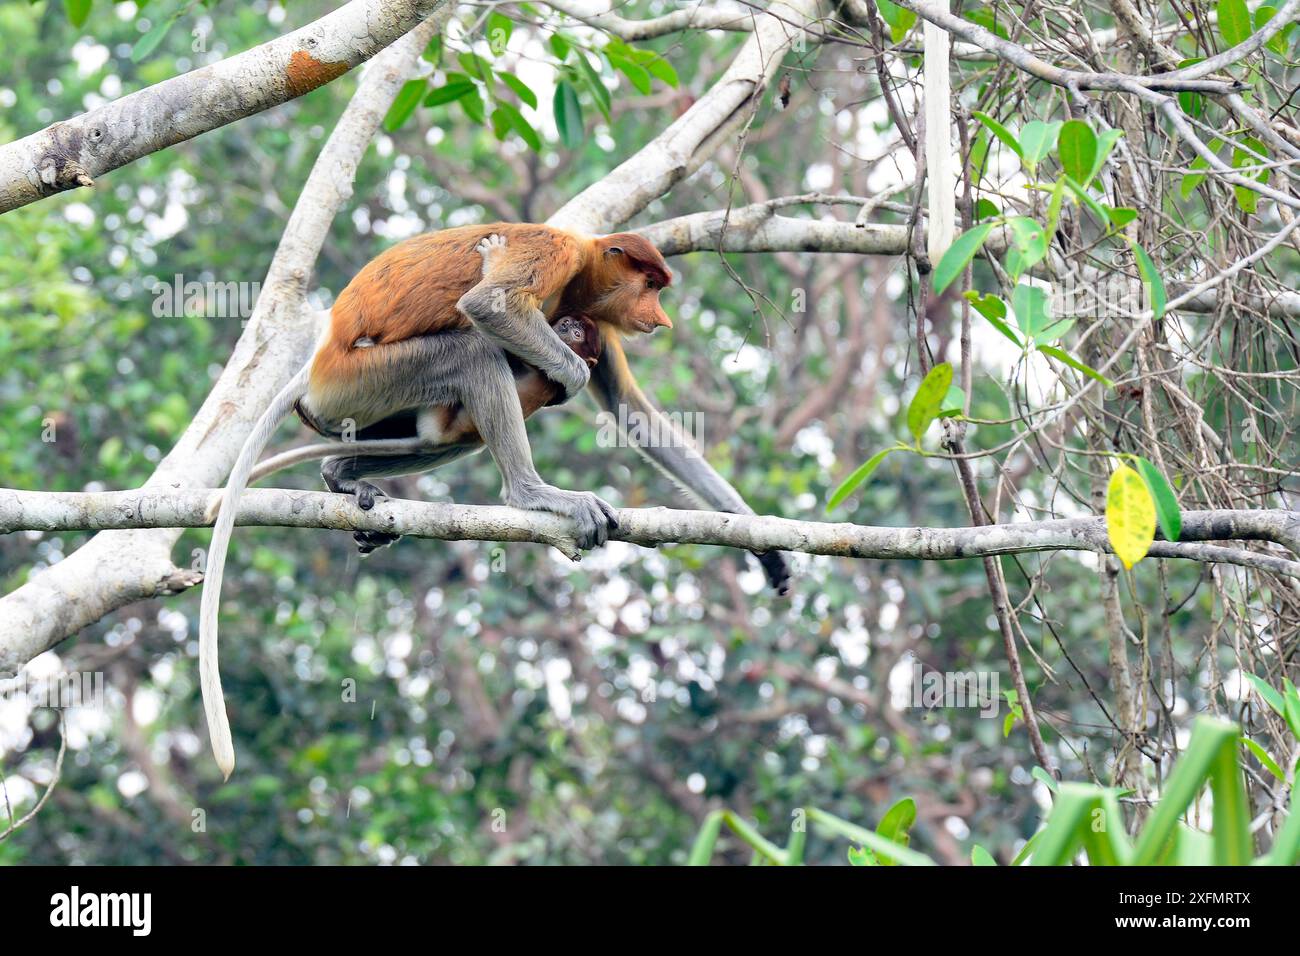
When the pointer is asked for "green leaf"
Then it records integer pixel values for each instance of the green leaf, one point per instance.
(1045, 778)
(477, 67)
(1248, 199)
(1037, 140)
(149, 42)
(1077, 147)
(521, 89)
(636, 74)
(595, 85)
(859, 475)
(1171, 519)
(1278, 42)
(981, 857)
(1027, 248)
(1234, 21)
(954, 403)
(1032, 309)
(404, 104)
(953, 262)
(568, 115)
(1063, 356)
(1262, 756)
(1000, 131)
(499, 27)
(898, 820)
(984, 208)
(77, 11)
(472, 104)
(995, 310)
(899, 19)
(1155, 286)
(454, 90)
(1105, 145)
(1268, 694)
(925, 404)
(1120, 216)
(702, 851)
(560, 46)
(1191, 102)
(872, 841)
(663, 71)
(506, 116)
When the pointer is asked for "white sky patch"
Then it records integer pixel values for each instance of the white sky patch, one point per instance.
(146, 705)
(557, 692)
(89, 56)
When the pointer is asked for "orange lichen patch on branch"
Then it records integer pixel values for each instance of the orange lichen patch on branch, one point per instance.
(305, 72)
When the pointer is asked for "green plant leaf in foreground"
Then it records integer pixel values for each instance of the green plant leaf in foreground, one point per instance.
(928, 400)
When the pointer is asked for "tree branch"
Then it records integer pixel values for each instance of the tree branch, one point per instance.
(649, 527)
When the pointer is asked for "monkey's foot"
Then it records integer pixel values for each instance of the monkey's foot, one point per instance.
(490, 247)
(366, 494)
(368, 541)
(593, 517)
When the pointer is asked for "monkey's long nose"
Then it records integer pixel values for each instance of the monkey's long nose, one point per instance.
(662, 319)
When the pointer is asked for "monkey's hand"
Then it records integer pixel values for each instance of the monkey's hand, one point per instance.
(593, 517)
(489, 248)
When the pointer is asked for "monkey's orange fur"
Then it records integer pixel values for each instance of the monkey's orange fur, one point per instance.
(412, 289)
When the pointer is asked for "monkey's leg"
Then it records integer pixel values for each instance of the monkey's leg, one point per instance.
(343, 475)
(490, 398)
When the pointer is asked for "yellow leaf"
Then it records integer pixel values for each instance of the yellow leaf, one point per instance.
(1130, 515)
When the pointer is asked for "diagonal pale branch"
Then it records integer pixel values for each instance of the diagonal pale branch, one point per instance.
(696, 15)
(120, 567)
(73, 152)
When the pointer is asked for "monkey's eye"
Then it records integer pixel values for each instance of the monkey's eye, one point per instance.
(652, 285)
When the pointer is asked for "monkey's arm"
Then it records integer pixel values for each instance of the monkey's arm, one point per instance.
(504, 306)
(614, 386)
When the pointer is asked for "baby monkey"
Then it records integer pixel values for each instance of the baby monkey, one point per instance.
(452, 425)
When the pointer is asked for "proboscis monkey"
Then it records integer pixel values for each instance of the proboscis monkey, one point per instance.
(432, 324)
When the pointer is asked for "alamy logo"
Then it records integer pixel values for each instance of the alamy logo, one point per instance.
(211, 300)
(634, 428)
(974, 689)
(134, 910)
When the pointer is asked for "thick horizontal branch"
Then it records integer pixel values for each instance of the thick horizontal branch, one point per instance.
(73, 152)
(186, 508)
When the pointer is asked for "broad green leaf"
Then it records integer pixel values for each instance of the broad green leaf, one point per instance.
(1120, 216)
(521, 89)
(1231, 811)
(1234, 21)
(981, 857)
(899, 19)
(1171, 519)
(506, 116)
(477, 67)
(1268, 694)
(925, 404)
(1000, 131)
(861, 856)
(985, 208)
(1077, 146)
(1105, 146)
(1278, 42)
(954, 403)
(637, 75)
(1032, 308)
(1155, 286)
(1045, 778)
(663, 71)
(1248, 199)
(953, 262)
(1062, 356)
(568, 115)
(1191, 102)
(498, 30)
(1130, 516)
(859, 475)
(994, 309)
(898, 820)
(472, 103)
(454, 90)
(1037, 140)
(404, 104)
(1082, 195)
(77, 10)
(595, 85)
(560, 46)
(1027, 248)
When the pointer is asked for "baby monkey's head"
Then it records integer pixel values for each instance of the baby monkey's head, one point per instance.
(579, 333)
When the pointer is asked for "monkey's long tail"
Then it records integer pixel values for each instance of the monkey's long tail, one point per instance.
(214, 703)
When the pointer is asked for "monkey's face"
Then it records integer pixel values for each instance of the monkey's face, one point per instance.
(579, 333)
(633, 274)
